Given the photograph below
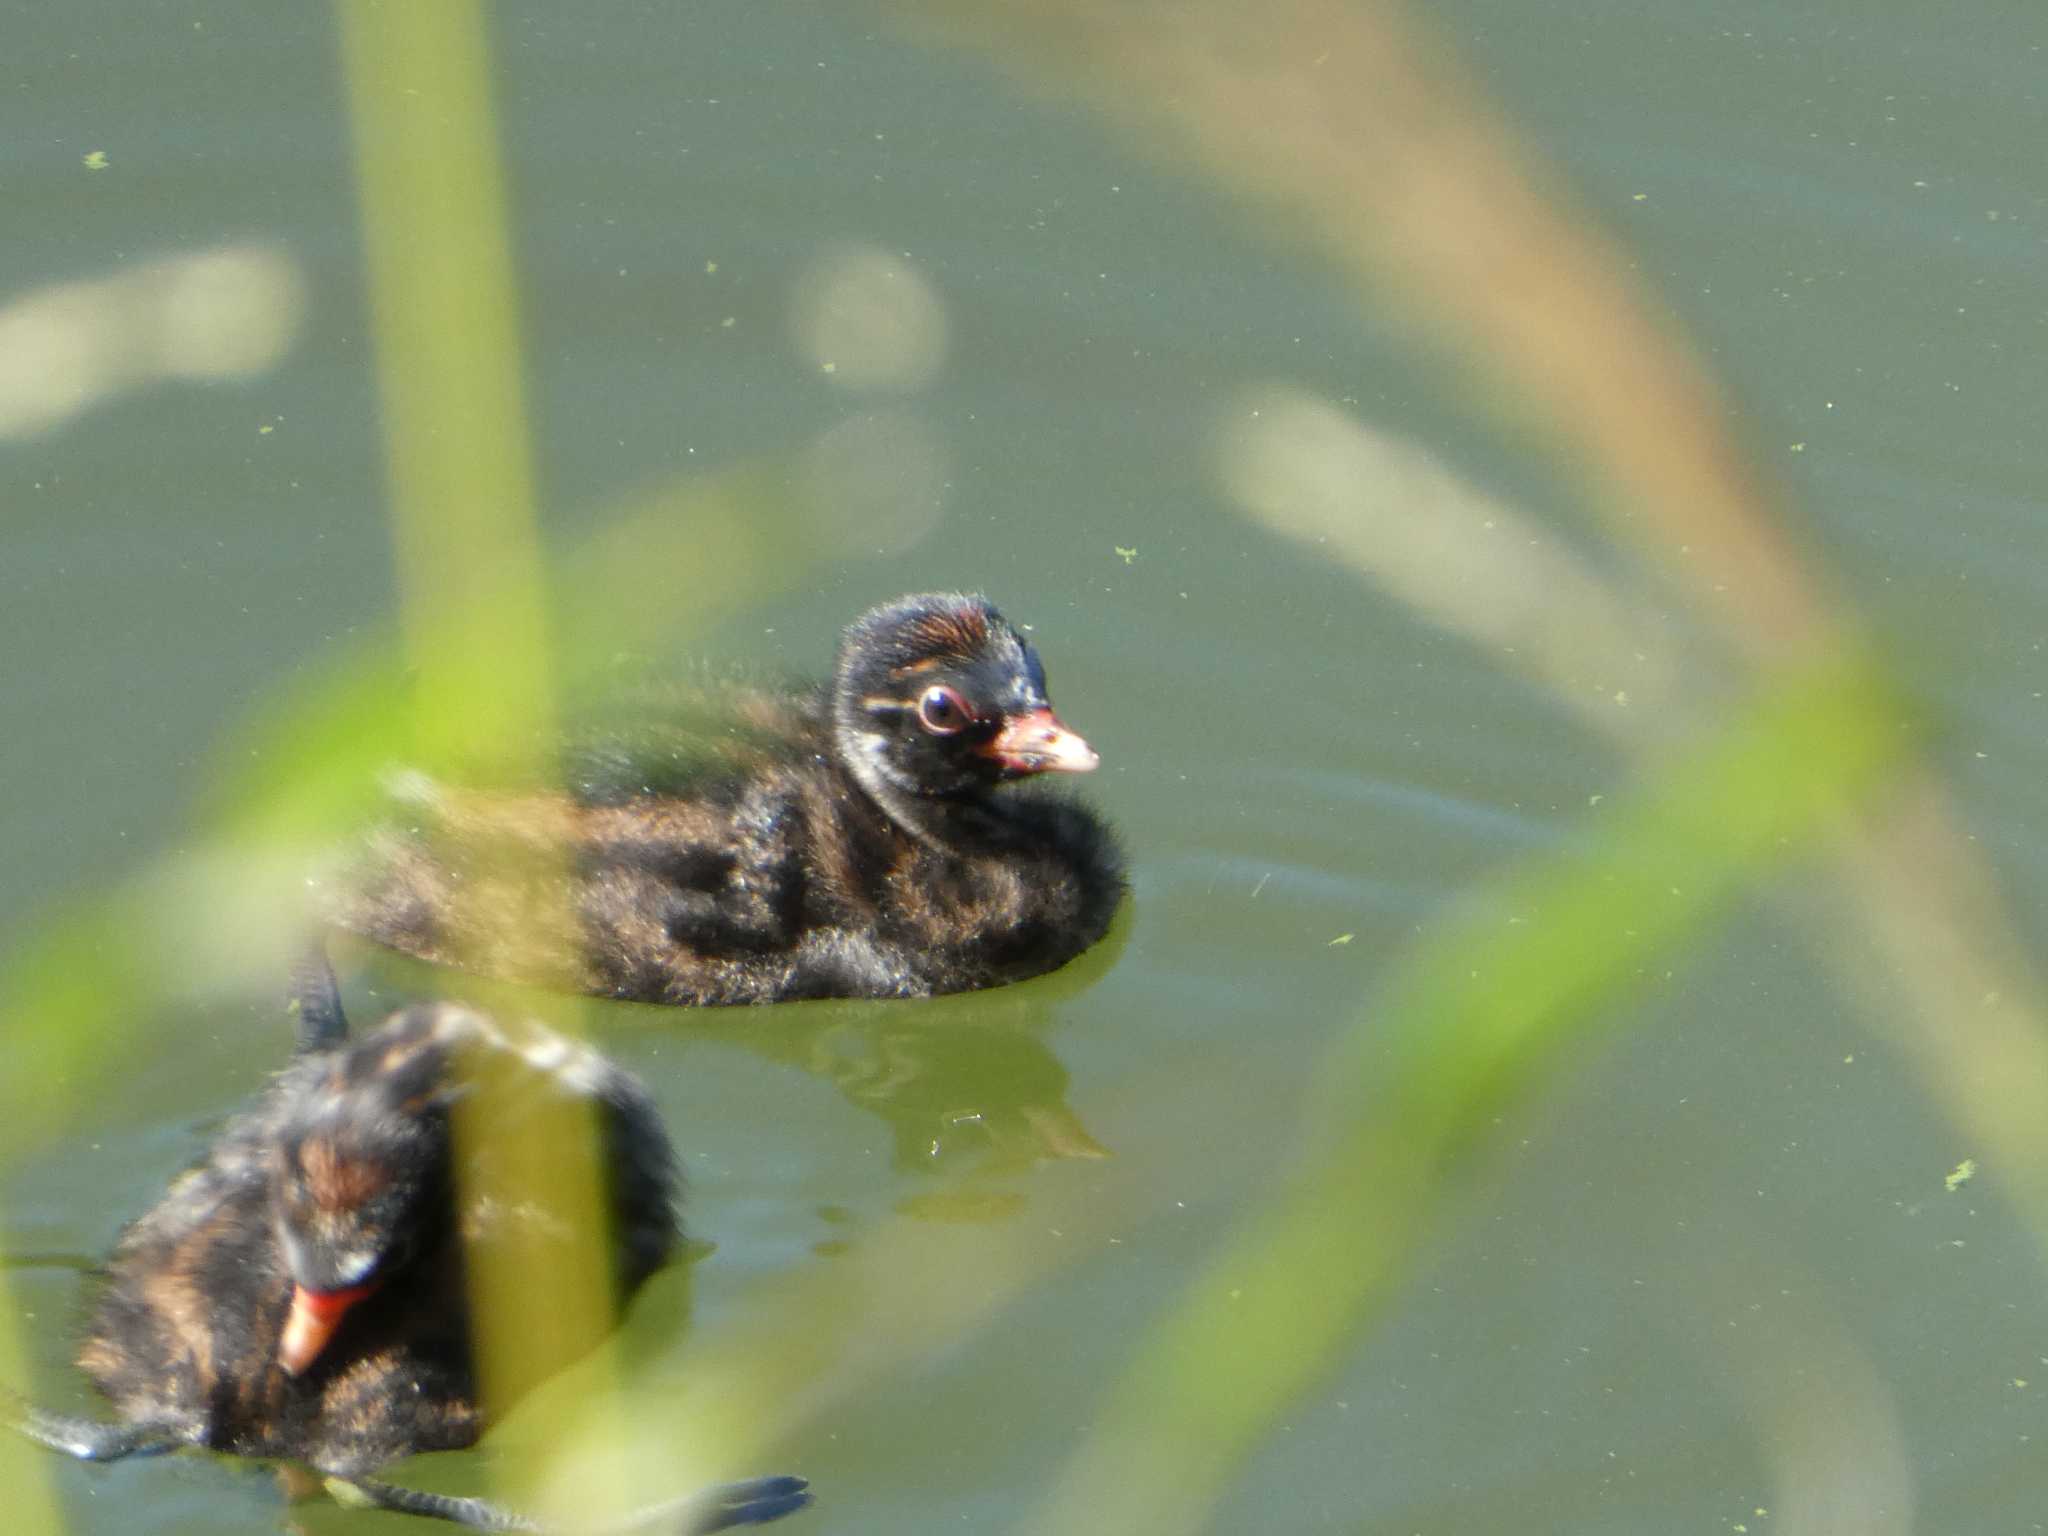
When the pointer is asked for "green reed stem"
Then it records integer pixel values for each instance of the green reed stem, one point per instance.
(471, 573)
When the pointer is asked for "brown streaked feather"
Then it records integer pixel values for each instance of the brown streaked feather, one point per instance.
(174, 1293)
(337, 1181)
(958, 633)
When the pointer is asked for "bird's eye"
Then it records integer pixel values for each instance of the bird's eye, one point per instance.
(943, 712)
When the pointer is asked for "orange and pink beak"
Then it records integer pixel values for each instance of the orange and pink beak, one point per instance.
(311, 1323)
(1036, 742)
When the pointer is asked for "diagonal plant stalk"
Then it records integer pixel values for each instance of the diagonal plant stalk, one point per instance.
(1486, 1002)
(1350, 126)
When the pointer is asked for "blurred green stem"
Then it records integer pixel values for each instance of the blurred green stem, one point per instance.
(470, 566)
(449, 370)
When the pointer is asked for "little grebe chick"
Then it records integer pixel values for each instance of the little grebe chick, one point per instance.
(855, 840)
(301, 1294)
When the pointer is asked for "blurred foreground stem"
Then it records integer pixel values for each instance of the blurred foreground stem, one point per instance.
(449, 371)
(470, 565)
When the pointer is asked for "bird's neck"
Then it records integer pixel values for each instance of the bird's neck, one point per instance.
(944, 823)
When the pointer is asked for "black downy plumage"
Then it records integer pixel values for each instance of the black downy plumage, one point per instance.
(855, 840)
(300, 1294)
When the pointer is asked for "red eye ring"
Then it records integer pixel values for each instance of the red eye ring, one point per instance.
(943, 712)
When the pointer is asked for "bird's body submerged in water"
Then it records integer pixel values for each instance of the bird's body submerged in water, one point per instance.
(302, 1292)
(854, 840)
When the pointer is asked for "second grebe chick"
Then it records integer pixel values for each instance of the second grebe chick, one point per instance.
(302, 1292)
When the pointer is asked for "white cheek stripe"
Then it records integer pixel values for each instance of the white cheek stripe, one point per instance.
(354, 1266)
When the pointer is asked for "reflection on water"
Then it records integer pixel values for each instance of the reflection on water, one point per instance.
(1460, 558)
(220, 314)
(965, 1083)
(873, 482)
(871, 324)
(950, 1090)
(869, 320)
